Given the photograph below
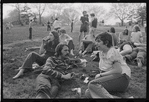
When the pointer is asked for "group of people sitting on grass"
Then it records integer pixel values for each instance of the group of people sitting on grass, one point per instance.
(113, 54)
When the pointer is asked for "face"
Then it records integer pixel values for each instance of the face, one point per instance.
(84, 13)
(51, 36)
(65, 51)
(100, 45)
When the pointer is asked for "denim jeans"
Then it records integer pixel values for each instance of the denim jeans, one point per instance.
(35, 57)
(100, 87)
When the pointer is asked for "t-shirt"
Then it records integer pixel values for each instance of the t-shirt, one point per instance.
(107, 60)
(135, 37)
(65, 38)
(83, 19)
(57, 24)
(94, 23)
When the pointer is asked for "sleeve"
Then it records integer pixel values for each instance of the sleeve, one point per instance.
(49, 69)
(114, 55)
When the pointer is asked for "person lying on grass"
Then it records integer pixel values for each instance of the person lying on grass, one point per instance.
(55, 71)
(114, 73)
(47, 49)
(66, 39)
(87, 44)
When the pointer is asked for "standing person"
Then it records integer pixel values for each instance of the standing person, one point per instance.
(48, 83)
(93, 23)
(48, 26)
(66, 39)
(114, 73)
(47, 49)
(72, 25)
(84, 24)
(30, 29)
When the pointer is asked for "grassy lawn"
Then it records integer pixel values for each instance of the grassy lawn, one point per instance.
(24, 87)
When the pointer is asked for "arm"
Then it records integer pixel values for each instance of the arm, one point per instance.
(49, 70)
(116, 69)
(41, 50)
(68, 37)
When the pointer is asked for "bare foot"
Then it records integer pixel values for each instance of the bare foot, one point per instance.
(19, 74)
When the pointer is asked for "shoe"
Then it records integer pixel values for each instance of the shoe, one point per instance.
(139, 63)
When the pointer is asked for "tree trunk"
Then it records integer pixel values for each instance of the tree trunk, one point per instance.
(39, 19)
(19, 18)
(122, 22)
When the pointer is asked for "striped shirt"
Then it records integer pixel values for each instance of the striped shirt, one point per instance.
(55, 67)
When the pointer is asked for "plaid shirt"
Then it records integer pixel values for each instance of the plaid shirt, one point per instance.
(55, 67)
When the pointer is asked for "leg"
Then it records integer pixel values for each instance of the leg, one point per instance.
(141, 57)
(100, 87)
(88, 48)
(71, 46)
(46, 87)
(31, 58)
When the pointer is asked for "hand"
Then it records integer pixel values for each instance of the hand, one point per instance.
(97, 76)
(67, 76)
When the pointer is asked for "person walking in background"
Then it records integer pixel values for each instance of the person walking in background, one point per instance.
(93, 24)
(48, 26)
(72, 22)
(30, 29)
(47, 49)
(84, 24)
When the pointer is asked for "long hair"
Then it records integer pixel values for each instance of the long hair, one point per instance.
(136, 28)
(112, 30)
(106, 38)
(125, 33)
(58, 49)
(56, 38)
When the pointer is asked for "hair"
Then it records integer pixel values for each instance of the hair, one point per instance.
(56, 38)
(84, 11)
(136, 28)
(92, 14)
(112, 30)
(126, 32)
(58, 49)
(62, 31)
(106, 38)
(56, 18)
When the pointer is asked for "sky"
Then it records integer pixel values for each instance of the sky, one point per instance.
(7, 8)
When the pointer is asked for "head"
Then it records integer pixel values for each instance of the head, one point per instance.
(125, 32)
(112, 30)
(84, 13)
(136, 28)
(62, 31)
(53, 36)
(56, 18)
(92, 15)
(103, 41)
(62, 50)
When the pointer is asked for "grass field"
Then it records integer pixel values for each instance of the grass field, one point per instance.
(24, 87)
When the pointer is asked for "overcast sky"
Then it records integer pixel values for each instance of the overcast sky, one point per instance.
(7, 8)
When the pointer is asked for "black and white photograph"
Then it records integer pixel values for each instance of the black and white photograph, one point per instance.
(74, 50)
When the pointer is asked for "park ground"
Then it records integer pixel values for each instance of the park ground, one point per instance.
(16, 41)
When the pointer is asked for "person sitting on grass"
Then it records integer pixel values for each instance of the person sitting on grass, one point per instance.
(114, 73)
(87, 44)
(139, 52)
(47, 49)
(66, 39)
(114, 37)
(48, 83)
(124, 36)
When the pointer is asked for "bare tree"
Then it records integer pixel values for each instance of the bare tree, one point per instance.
(40, 7)
(18, 7)
(123, 11)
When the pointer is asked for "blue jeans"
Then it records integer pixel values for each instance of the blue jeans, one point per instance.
(100, 87)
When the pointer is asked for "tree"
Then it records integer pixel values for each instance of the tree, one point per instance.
(40, 7)
(142, 14)
(124, 11)
(69, 14)
(18, 7)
